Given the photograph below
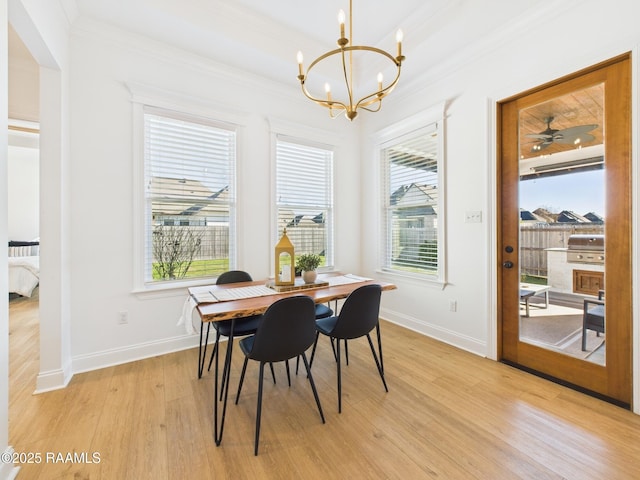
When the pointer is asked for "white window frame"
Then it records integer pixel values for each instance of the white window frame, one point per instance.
(427, 122)
(145, 96)
(315, 138)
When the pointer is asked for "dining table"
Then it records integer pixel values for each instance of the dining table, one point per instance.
(231, 301)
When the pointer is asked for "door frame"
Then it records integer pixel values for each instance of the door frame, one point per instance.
(498, 254)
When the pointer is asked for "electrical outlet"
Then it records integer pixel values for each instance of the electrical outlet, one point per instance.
(453, 306)
(123, 318)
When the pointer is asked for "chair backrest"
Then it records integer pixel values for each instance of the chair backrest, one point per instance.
(286, 329)
(360, 313)
(233, 276)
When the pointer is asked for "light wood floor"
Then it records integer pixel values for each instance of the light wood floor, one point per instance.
(448, 414)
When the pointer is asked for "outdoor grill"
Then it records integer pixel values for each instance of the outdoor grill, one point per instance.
(584, 248)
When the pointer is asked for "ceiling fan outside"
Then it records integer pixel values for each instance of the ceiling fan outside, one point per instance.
(573, 135)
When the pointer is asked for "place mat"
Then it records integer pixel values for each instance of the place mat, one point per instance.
(346, 279)
(238, 293)
(207, 295)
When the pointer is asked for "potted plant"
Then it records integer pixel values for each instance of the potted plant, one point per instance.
(307, 264)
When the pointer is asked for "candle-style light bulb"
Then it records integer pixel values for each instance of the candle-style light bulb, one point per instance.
(299, 58)
(399, 37)
(380, 78)
(341, 19)
(327, 88)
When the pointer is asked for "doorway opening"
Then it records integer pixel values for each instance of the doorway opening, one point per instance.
(564, 288)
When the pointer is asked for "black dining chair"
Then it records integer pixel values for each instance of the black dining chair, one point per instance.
(322, 311)
(241, 328)
(286, 330)
(593, 317)
(357, 318)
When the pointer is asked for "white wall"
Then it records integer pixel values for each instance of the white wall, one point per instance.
(6, 470)
(512, 60)
(99, 224)
(107, 64)
(23, 193)
(523, 56)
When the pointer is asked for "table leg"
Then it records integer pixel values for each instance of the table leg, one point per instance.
(202, 352)
(546, 299)
(224, 394)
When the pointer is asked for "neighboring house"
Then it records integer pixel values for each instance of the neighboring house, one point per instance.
(417, 218)
(541, 215)
(567, 216)
(528, 217)
(406, 197)
(166, 212)
(594, 218)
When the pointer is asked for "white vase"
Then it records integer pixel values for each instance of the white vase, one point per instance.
(310, 276)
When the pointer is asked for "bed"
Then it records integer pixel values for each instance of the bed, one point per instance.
(24, 267)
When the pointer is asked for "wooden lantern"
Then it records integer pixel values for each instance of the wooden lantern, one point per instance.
(285, 264)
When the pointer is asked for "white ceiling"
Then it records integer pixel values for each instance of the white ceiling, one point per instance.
(263, 36)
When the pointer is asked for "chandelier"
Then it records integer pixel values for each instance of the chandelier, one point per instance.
(349, 105)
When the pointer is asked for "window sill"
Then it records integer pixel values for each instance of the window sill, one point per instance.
(432, 282)
(170, 289)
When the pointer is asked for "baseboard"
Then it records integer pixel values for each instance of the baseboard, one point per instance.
(53, 379)
(8, 470)
(436, 332)
(132, 353)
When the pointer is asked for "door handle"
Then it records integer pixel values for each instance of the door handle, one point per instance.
(508, 264)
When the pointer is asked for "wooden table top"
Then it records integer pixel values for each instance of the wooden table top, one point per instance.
(226, 310)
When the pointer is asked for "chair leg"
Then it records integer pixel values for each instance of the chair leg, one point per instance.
(313, 385)
(339, 376)
(259, 407)
(584, 338)
(286, 362)
(333, 347)
(244, 369)
(380, 346)
(378, 364)
(273, 373)
(346, 351)
(313, 351)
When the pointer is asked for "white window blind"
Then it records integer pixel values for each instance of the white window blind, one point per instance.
(304, 197)
(189, 196)
(410, 213)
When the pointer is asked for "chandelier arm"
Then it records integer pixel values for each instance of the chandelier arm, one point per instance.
(379, 95)
(330, 105)
(371, 109)
(366, 102)
(346, 78)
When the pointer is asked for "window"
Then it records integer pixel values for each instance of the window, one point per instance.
(411, 204)
(304, 197)
(189, 194)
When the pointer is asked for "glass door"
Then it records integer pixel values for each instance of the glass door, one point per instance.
(564, 286)
(562, 221)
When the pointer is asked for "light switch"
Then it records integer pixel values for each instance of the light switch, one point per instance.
(473, 217)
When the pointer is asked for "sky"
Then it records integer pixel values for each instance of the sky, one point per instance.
(581, 192)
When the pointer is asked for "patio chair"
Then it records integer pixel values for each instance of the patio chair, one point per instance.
(593, 317)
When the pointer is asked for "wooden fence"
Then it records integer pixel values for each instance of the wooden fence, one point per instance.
(214, 240)
(534, 239)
